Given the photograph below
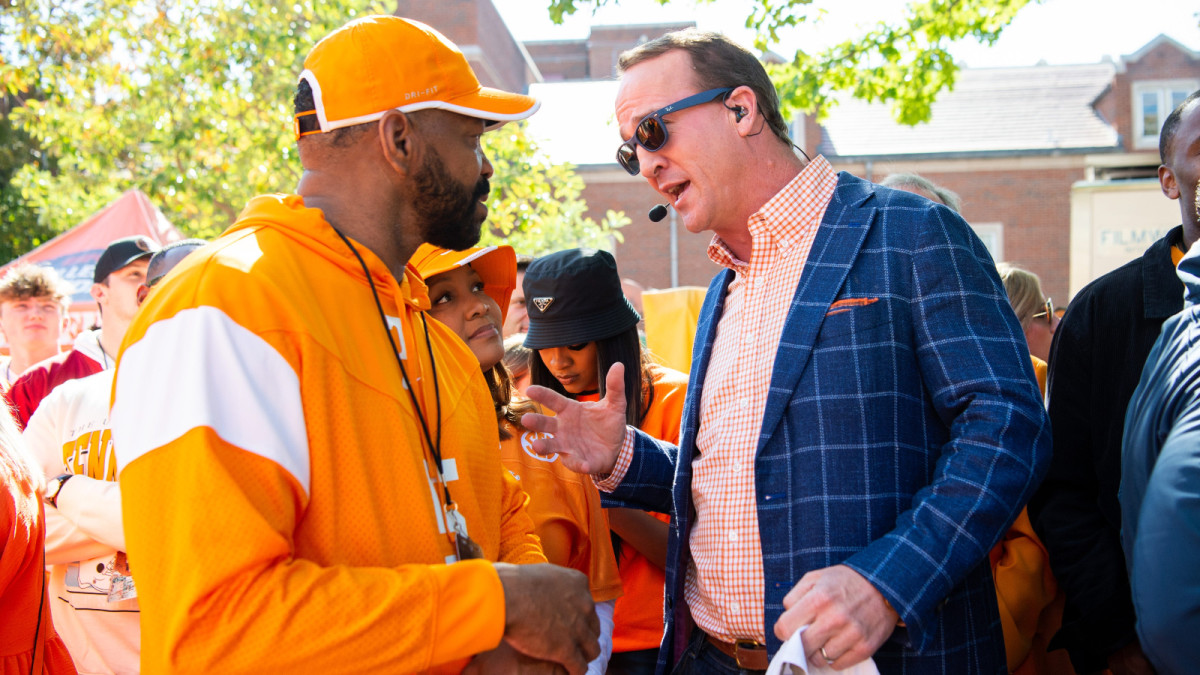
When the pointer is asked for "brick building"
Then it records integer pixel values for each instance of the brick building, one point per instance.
(1056, 165)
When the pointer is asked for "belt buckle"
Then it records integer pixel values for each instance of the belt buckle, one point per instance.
(748, 645)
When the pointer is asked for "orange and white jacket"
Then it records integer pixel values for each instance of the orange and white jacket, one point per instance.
(281, 511)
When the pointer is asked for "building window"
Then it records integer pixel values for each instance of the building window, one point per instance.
(1152, 102)
(992, 236)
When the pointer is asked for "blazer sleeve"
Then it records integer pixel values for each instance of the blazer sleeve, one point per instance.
(649, 480)
(975, 368)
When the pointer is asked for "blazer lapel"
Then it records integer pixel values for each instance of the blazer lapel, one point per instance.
(706, 332)
(848, 219)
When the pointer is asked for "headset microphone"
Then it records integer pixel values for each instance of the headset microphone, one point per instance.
(658, 213)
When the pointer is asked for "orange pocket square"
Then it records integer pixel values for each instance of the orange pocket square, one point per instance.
(847, 304)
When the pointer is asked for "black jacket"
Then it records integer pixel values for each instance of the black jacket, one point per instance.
(1095, 362)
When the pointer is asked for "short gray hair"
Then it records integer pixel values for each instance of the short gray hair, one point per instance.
(944, 195)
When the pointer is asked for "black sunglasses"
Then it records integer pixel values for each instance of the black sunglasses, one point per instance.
(651, 133)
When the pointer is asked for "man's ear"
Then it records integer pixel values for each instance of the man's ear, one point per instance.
(397, 140)
(743, 105)
(99, 292)
(1166, 179)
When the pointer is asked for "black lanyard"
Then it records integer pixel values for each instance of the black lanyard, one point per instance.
(435, 448)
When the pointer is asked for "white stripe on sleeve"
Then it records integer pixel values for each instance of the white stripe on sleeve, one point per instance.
(200, 368)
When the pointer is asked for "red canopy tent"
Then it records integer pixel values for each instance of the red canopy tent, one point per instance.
(73, 254)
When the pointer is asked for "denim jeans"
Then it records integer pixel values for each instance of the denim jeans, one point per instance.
(701, 658)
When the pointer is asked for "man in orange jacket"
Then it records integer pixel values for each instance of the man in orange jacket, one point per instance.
(314, 484)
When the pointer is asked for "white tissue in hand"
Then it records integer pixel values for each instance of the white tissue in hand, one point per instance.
(790, 660)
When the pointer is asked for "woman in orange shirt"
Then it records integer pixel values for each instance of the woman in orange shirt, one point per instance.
(469, 292)
(1030, 602)
(28, 643)
(580, 323)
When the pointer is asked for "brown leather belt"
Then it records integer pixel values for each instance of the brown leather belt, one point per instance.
(749, 655)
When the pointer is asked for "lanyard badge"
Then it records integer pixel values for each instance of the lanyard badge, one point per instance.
(464, 546)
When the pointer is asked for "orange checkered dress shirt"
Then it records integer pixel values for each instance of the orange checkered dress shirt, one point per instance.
(724, 587)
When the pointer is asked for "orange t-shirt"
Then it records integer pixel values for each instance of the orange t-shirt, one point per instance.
(638, 615)
(566, 512)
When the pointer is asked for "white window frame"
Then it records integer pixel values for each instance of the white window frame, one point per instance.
(1162, 89)
(992, 236)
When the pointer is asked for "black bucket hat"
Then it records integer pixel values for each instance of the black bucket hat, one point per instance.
(575, 296)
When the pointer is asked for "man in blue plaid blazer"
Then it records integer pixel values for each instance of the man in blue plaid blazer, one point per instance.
(903, 429)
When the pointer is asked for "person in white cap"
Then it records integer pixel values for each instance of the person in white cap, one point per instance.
(323, 491)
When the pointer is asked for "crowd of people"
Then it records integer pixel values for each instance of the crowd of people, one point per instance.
(342, 437)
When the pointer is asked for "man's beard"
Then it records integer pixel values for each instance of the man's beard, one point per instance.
(447, 209)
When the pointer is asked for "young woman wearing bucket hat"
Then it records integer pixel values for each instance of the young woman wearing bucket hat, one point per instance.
(580, 324)
(469, 292)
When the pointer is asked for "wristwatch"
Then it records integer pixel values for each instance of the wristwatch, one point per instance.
(54, 487)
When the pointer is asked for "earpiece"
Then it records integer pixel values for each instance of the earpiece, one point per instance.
(738, 114)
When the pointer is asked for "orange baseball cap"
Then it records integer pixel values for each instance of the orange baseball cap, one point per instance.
(379, 63)
(496, 266)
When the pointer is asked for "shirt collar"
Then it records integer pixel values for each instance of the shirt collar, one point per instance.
(413, 289)
(784, 219)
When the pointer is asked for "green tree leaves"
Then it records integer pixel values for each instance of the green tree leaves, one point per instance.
(536, 206)
(191, 101)
(905, 62)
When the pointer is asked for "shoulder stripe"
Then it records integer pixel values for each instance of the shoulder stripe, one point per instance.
(200, 368)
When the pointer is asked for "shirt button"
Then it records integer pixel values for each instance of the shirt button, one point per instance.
(744, 403)
(735, 607)
(733, 536)
(785, 243)
(737, 467)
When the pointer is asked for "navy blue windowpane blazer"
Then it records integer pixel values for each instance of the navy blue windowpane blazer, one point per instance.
(901, 436)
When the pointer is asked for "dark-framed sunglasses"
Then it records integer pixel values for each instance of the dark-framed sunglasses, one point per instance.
(651, 132)
(1047, 312)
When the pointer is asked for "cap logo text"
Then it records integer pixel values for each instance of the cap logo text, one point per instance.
(428, 91)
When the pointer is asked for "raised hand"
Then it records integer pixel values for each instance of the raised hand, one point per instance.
(549, 615)
(587, 435)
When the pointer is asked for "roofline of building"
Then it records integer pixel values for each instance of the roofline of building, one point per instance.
(974, 154)
(1038, 66)
(969, 154)
(674, 25)
(652, 24)
(564, 41)
(1161, 39)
